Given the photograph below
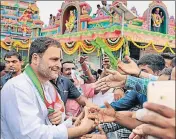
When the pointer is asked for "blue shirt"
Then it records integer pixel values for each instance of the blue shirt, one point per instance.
(66, 89)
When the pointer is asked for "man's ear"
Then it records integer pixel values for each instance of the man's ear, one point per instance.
(22, 63)
(157, 73)
(35, 59)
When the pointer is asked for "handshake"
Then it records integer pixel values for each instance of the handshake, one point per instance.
(149, 121)
(91, 118)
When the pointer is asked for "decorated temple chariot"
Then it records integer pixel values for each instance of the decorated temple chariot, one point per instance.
(113, 26)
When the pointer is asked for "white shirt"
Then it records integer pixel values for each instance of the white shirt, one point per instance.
(100, 98)
(24, 114)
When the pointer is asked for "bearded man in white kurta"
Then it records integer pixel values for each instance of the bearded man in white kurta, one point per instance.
(29, 99)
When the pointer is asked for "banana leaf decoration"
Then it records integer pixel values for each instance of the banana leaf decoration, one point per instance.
(98, 43)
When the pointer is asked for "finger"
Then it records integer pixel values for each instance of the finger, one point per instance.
(128, 59)
(151, 117)
(137, 137)
(107, 105)
(94, 109)
(97, 122)
(132, 135)
(56, 119)
(93, 116)
(146, 129)
(100, 84)
(56, 123)
(86, 112)
(160, 109)
(101, 80)
(55, 113)
(111, 71)
(105, 88)
(88, 135)
(101, 130)
(81, 116)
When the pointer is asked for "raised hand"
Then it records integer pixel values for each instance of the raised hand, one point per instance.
(82, 59)
(129, 68)
(115, 79)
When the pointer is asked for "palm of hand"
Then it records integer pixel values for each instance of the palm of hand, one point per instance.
(114, 80)
(107, 115)
(129, 68)
(82, 59)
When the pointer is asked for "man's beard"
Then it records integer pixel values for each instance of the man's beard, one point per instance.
(47, 72)
(12, 71)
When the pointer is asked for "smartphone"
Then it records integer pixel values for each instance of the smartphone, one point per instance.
(162, 92)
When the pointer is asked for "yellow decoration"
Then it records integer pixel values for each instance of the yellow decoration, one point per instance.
(89, 49)
(117, 46)
(154, 47)
(16, 44)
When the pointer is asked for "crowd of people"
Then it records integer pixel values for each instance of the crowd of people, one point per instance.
(55, 99)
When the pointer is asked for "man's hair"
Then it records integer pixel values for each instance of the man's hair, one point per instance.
(168, 55)
(13, 53)
(71, 62)
(40, 45)
(154, 61)
(173, 63)
(166, 71)
(2, 66)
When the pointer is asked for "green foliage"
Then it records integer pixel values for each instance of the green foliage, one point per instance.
(98, 43)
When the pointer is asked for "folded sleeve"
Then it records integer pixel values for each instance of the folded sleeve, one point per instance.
(137, 84)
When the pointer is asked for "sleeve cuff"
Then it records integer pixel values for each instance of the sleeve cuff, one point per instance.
(62, 131)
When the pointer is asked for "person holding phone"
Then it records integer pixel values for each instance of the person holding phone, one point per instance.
(159, 122)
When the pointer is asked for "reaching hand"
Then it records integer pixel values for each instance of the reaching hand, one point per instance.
(86, 124)
(129, 68)
(115, 79)
(79, 118)
(89, 104)
(160, 122)
(101, 115)
(82, 59)
(102, 135)
(104, 73)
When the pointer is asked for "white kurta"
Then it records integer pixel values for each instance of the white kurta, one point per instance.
(24, 114)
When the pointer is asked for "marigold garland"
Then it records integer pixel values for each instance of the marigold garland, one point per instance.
(88, 48)
(117, 46)
(154, 47)
(16, 44)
